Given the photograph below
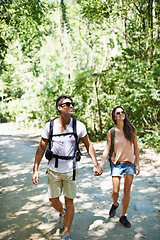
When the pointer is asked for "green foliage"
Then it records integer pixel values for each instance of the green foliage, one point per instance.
(20, 20)
(102, 53)
(97, 10)
(151, 140)
(3, 118)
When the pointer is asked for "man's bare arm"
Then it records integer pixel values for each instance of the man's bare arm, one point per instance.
(91, 152)
(38, 157)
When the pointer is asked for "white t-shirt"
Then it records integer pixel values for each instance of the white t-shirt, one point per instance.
(63, 145)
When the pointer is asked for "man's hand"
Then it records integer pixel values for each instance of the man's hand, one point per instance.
(39, 155)
(98, 171)
(35, 178)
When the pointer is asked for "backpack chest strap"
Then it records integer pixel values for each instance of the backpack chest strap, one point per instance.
(64, 134)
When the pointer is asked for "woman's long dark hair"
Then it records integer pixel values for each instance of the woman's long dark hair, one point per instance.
(128, 128)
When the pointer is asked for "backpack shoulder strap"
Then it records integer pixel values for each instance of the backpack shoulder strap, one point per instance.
(112, 131)
(74, 126)
(68, 133)
(75, 133)
(50, 132)
(76, 148)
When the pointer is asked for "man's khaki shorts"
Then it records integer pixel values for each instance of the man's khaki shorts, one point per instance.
(61, 182)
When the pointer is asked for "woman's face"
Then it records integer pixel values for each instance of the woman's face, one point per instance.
(119, 114)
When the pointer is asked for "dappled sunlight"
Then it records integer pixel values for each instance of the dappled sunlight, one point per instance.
(99, 228)
(43, 208)
(41, 185)
(23, 204)
(27, 212)
(81, 197)
(86, 184)
(147, 172)
(7, 143)
(101, 52)
(95, 224)
(14, 170)
(37, 198)
(104, 186)
(31, 205)
(21, 212)
(150, 189)
(87, 205)
(5, 233)
(139, 236)
(46, 227)
(36, 236)
(102, 194)
(8, 189)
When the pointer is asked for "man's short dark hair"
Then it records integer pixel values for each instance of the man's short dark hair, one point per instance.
(61, 98)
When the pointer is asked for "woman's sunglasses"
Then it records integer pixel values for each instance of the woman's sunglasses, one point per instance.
(68, 104)
(118, 113)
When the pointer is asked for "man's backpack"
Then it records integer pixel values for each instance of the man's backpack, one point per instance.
(77, 154)
(112, 130)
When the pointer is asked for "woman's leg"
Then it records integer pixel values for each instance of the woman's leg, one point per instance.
(115, 195)
(128, 179)
(115, 191)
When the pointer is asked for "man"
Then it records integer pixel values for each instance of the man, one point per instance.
(61, 177)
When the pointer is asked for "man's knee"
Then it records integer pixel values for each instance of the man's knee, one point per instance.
(69, 202)
(54, 202)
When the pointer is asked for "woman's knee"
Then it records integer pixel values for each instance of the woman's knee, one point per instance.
(127, 190)
(128, 179)
(115, 190)
(116, 184)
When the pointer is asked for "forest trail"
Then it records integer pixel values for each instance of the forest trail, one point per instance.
(25, 212)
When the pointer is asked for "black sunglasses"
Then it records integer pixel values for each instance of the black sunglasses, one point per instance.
(68, 104)
(118, 113)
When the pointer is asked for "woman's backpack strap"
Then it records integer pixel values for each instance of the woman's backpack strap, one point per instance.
(112, 131)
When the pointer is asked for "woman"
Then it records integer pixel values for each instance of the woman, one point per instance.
(122, 161)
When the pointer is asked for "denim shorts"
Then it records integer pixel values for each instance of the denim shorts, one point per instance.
(120, 169)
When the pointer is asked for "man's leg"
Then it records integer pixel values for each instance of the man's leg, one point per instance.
(128, 179)
(69, 214)
(57, 205)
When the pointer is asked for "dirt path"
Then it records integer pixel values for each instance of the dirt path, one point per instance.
(26, 214)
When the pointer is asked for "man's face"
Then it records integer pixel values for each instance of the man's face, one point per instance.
(66, 107)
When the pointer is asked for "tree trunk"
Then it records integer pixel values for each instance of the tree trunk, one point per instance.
(124, 24)
(150, 11)
(98, 104)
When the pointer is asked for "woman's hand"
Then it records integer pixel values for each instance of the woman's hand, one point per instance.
(137, 169)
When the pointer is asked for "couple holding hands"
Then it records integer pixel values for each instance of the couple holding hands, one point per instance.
(61, 166)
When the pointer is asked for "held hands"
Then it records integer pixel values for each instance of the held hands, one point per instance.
(97, 171)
